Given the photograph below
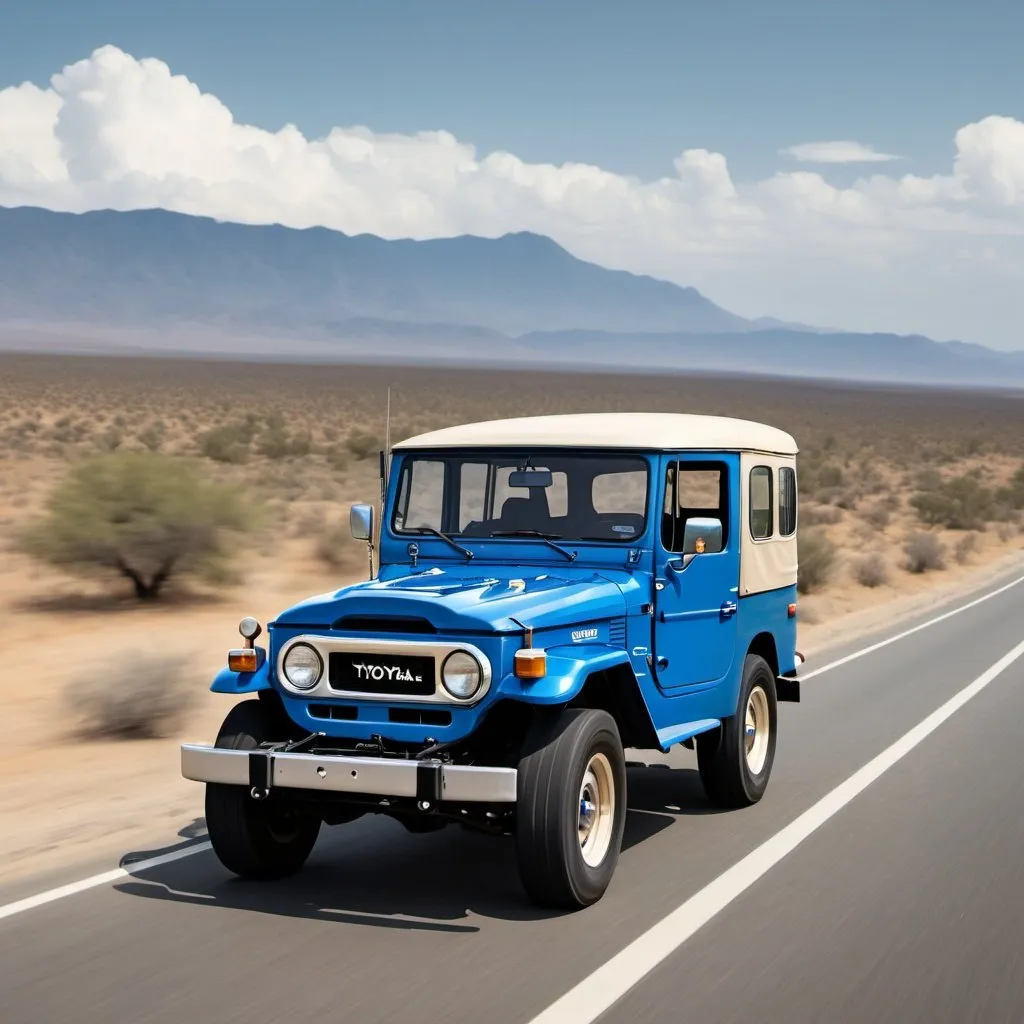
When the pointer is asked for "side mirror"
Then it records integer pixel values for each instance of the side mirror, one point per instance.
(360, 520)
(702, 536)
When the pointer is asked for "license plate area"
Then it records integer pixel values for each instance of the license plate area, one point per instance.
(406, 674)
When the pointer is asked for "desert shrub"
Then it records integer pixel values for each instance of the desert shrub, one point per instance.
(820, 515)
(337, 457)
(229, 442)
(880, 515)
(872, 571)
(830, 475)
(960, 503)
(276, 443)
(335, 546)
(924, 552)
(111, 439)
(965, 547)
(1012, 496)
(142, 516)
(136, 695)
(817, 560)
(1005, 532)
(363, 444)
(153, 436)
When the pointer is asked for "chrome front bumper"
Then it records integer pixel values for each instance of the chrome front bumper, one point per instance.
(426, 780)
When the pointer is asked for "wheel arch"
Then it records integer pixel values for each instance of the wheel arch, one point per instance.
(616, 690)
(764, 645)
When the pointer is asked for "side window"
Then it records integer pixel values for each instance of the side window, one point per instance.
(787, 502)
(472, 492)
(761, 509)
(421, 500)
(702, 492)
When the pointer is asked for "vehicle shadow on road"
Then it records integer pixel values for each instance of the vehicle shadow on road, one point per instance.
(373, 872)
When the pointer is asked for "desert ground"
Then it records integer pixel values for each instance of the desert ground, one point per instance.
(906, 497)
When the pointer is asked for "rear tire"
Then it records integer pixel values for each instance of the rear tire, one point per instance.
(735, 760)
(571, 808)
(255, 839)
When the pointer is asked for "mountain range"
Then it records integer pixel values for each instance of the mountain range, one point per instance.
(173, 281)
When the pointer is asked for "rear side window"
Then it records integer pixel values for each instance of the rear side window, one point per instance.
(761, 502)
(787, 502)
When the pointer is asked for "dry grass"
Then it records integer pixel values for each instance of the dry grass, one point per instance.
(875, 464)
(135, 695)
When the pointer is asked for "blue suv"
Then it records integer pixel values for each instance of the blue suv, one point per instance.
(545, 593)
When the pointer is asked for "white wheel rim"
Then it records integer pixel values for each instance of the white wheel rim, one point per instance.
(757, 731)
(596, 810)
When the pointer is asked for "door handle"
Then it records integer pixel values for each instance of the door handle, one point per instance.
(729, 608)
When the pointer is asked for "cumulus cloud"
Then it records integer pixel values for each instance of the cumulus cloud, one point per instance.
(843, 151)
(907, 253)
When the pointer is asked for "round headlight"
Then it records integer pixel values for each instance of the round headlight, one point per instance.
(461, 675)
(303, 667)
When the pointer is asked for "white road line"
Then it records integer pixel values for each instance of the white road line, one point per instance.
(593, 995)
(910, 632)
(30, 902)
(49, 896)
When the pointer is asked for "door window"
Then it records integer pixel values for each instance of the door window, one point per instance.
(701, 492)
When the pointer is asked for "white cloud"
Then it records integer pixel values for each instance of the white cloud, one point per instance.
(907, 253)
(842, 151)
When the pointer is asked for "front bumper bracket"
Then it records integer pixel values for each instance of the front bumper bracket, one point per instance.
(432, 781)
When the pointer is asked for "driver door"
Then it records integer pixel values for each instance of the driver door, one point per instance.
(696, 592)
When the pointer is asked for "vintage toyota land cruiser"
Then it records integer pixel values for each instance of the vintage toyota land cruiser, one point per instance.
(548, 591)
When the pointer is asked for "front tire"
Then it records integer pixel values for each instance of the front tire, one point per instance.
(255, 839)
(735, 760)
(571, 808)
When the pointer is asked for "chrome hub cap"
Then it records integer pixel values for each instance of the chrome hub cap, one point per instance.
(596, 810)
(757, 730)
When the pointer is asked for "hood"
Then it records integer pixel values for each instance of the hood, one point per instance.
(466, 598)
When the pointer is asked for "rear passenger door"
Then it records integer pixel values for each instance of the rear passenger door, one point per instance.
(695, 603)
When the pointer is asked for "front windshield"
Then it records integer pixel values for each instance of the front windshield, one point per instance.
(570, 497)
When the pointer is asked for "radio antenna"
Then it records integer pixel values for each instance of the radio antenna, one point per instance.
(387, 434)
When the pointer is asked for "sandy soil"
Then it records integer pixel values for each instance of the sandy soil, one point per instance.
(62, 799)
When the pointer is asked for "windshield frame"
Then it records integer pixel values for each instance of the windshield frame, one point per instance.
(631, 461)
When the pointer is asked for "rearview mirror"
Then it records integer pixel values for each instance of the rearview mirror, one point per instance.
(360, 521)
(702, 536)
(530, 478)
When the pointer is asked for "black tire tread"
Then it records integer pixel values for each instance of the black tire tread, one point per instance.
(232, 816)
(543, 773)
(720, 757)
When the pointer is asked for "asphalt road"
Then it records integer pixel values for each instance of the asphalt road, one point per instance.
(906, 905)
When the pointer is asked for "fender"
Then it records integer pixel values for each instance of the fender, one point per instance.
(244, 682)
(568, 667)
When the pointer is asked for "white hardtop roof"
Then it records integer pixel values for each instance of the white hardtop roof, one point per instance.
(636, 430)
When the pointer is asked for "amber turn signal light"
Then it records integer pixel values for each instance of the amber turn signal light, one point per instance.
(531, 663)
(243, 660)
(792, 611)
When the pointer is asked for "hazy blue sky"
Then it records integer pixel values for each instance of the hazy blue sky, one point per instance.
(856, 165)
(623, 85)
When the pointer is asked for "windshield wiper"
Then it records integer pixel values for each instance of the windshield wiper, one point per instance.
(548, 539)
(445, 538)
